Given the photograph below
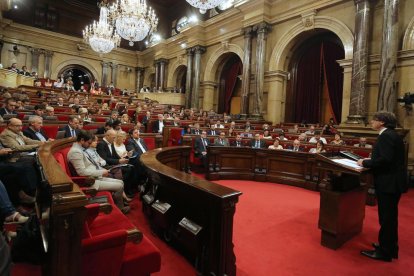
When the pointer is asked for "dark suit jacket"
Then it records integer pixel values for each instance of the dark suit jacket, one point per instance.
(67, 131)
(387, 163)
(234, 143)
(28, 132)
(193, 131)
(104, 152)
(132, 145)
(262, 144)
(301, 149)
(145, 120)
(199, 147)
(156, 126)
(3, 111)
(210, 132)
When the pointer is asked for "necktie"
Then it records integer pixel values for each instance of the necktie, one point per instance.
(73, 133)
(90, 158)
(257, 144)
(238, 144)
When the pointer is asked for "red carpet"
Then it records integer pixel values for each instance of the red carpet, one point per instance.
(276, 233)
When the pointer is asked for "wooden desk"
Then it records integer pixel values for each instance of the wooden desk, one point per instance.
(206, 204)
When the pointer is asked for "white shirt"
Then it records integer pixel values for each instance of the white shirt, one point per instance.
(382, 130)
(109, 145)
(313, 140)
(140, 145)
(160, 126)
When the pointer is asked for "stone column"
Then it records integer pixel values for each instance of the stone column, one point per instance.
(114, 74)
(188, 91)
(140, 78)
(262, 30)
(35, 59)
(162, 63)
(387, 87)
(157, 75)
(104, 73)
(198, 50)
(363, 22)
(48, 64)
(244, 102)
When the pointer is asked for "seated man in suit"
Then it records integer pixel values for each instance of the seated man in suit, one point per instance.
(200, 147)
(302, 137)
(221, 140)
(114, 116)
(85, 165)
(363, 143)
(158, 126)
(212, 131)
(137, 146)
(71, 129)
(257, 143)
(248, 126)
(238, 142)
(146, 119)
(39, 110)
(105, 128)
(311, 130)
(296, 146)
(176, 122)
(196, 130)
(12, 137)
(35, 131)
(106, 149)
(219, 125)
(9, 107)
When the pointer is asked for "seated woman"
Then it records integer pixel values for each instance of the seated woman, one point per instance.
(48, 83)
(105, 106)
(266, 135)
(231, 132)
(8, 213)
(319, 147)
(338, 141)
(276, 145)
(186, 131)
(125, 119)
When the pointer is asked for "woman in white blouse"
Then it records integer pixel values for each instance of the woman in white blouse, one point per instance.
(276, 145)
(119, 144)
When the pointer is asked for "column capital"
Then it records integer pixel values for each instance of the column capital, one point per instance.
(48, 53)
(364, 1)
(35, 51)
(189, 51)
(247, 31)
(199, 49)
(114, 65)
(139, 69)
(104, 64)
(163, 61)
(262, 27)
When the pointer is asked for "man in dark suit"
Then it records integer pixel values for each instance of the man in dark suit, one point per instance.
(72, 128)
(35, 131)
(196, 130)
(106, 149)
(390, 180)
(145, 120)
(137, 146)
(212, 131)
(9, 107)
(200, 147)
(238, 142)
(257, 143)
(296, 146)
(158, 126)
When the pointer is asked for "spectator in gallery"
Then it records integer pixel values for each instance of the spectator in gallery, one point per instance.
(13, 68)
(24, 71)
(320, 147)
(276, 145)
(59, 83)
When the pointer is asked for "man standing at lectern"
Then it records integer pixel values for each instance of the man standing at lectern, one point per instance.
(388, 168)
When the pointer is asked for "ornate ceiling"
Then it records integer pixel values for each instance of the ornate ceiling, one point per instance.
(71, 16)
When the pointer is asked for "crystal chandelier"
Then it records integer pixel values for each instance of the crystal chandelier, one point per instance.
(100, 35)
(204, 5)
(134, 20)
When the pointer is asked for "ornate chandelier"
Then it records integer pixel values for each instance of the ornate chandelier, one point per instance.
(134, 20)
(204, 5)
(100, 35)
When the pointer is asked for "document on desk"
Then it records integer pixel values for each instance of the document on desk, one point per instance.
(350, 163)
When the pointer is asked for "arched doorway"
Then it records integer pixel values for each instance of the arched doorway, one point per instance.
(181, 76)
(230, 84)
(314, 92)
(80, 75)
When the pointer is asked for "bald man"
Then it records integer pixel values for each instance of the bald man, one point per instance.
(12, 137)
(106, 149)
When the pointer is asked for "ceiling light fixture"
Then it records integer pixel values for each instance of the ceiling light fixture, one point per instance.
(100, 35)
(133, 19)
(204, 5)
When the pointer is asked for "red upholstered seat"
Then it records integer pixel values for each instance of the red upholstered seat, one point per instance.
(150, 142)
(175, 136)
(64, 118)
(141, 259)
(51, 130)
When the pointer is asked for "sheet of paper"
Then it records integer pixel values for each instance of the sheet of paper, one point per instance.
(347, 162)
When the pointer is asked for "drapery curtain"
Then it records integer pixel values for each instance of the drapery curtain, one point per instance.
(308, 86)
(318, 66)
(231, 81)
(334, 77)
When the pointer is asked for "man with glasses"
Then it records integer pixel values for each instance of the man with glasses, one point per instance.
(9, 107)
(12, 137)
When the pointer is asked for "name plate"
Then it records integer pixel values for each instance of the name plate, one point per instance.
(190, 226)
(161, 207)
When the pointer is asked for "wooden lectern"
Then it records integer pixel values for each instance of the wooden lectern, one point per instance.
(343, 196)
